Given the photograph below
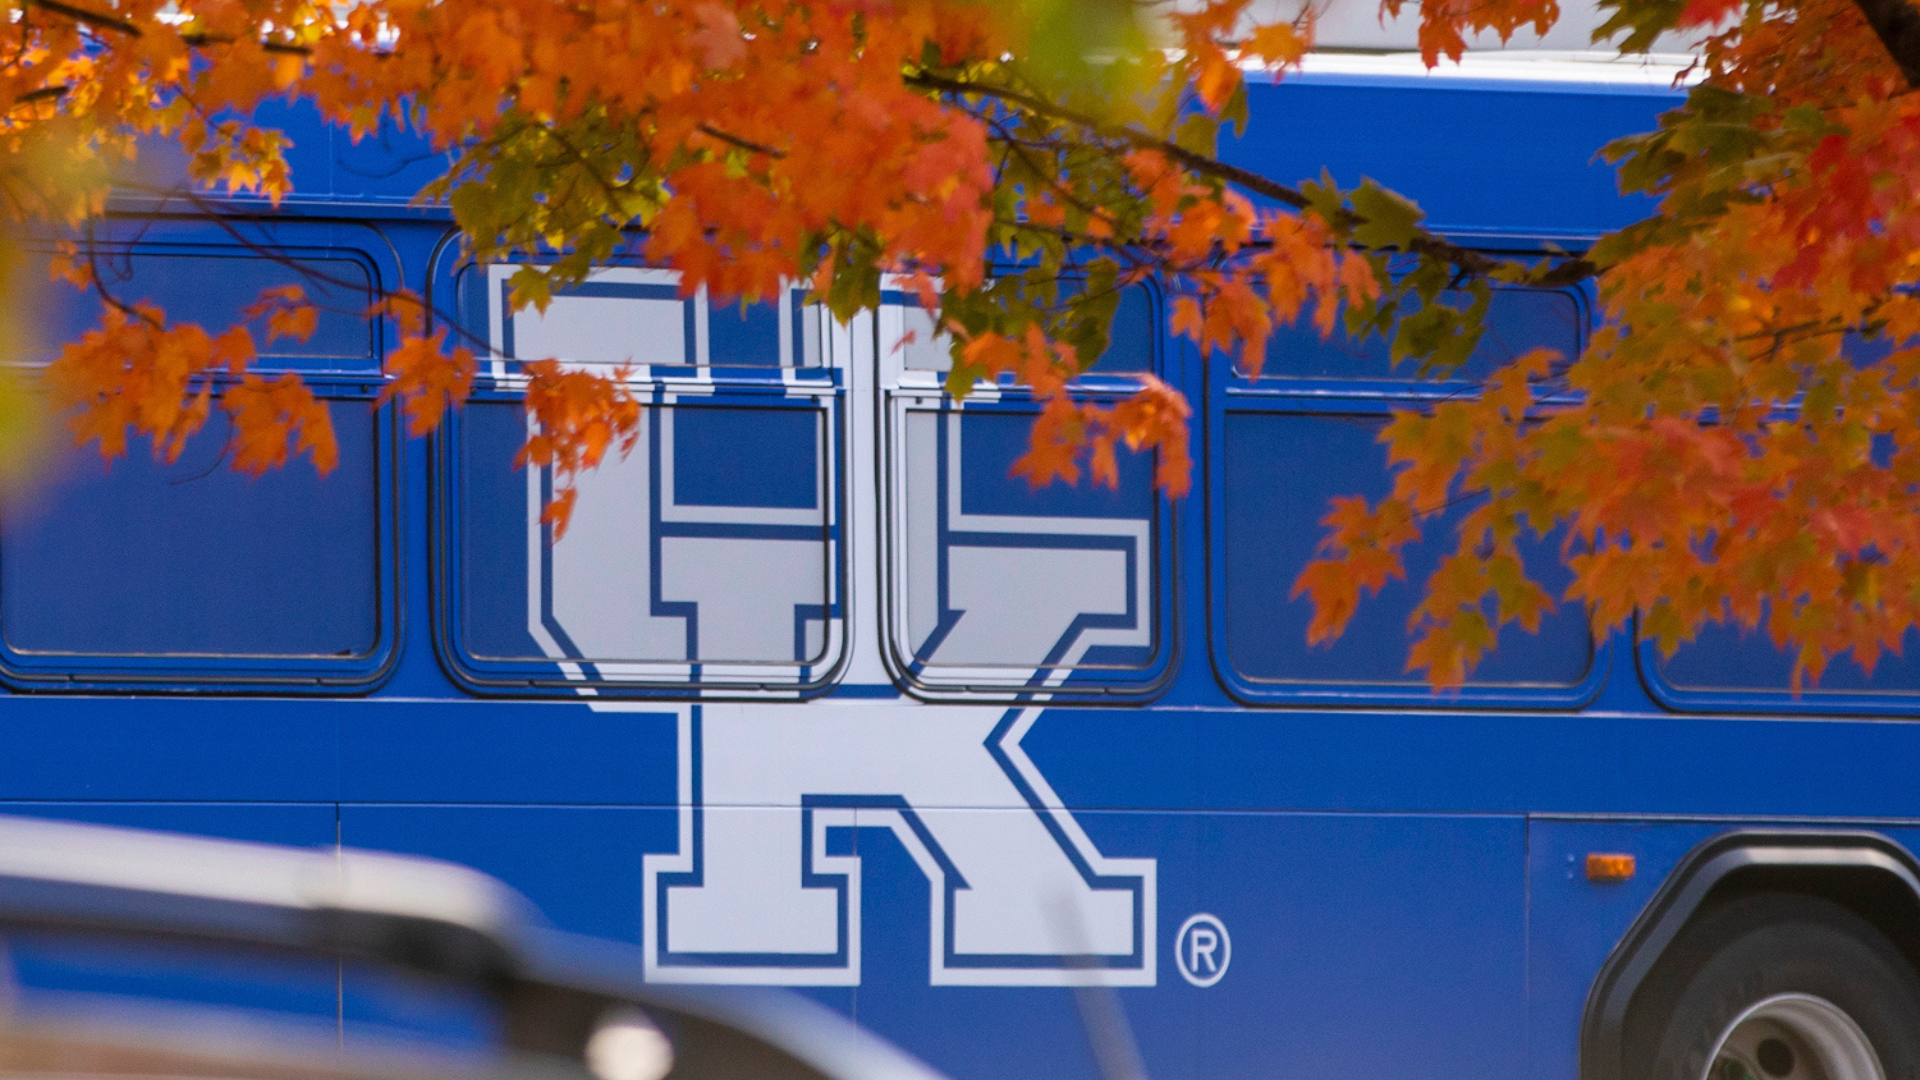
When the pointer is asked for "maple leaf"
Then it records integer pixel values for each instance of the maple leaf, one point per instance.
(287, 312)
(427, 378)
(717, 38)
(578, 416)
(1277, 44)
(267, 416)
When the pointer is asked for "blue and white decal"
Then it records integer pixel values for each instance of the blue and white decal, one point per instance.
(1019, 895)
(637, 317)
(995, 587)
(708, 557)
(691, 551)
(996, 584)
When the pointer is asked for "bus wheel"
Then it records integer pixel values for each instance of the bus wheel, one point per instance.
(1784, 987)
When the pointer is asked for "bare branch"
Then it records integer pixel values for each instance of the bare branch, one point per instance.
(1467, 260)
(102, 21)
(95, 19)
(1199, 163)
(45, 93)
(200, 41)
(745, 144)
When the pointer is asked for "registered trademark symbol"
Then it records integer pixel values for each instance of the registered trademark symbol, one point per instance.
(1202, 949)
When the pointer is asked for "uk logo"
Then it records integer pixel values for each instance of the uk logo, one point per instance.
(732, 508)
(1019, 895)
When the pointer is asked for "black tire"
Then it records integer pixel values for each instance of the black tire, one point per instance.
(1757, 948)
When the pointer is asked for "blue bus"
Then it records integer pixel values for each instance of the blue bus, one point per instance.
(815, 694)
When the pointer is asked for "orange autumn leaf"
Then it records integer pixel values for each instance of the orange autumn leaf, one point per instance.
(427, 378)
(287, 312)
(135, 376)
(578, 416)
(268, 416)
(717, 38)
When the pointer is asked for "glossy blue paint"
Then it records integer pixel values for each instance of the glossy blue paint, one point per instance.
(709, 468)
(1476, 158)
(1573, 923)
(393, 750)
(295, 824)
(120, 749)
(1439, 981)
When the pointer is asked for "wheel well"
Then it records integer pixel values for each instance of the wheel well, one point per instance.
(1878, 897)
(1866, 873)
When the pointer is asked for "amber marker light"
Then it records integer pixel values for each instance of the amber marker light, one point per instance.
(1606, 866)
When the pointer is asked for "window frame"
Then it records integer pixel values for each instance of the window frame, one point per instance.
(252, 673)
(1228, 393)
(1811, 701)
(819, 389)
(903, 391)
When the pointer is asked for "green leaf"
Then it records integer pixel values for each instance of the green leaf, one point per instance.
(1235, 110)
(531, 288)
(1198, 133)
(1324, 198)
(1391, 220)
(1089, 314)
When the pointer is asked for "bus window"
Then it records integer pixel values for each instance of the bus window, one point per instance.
(1734, 662)
(145, 570)
(212, 290)
(638, 317)
(998, 583)
(1518, 320)
(704, 555)
(1280, 471)
(921, 346)
(1735, 667)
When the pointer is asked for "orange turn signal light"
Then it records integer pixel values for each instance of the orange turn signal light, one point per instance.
(1607, 866)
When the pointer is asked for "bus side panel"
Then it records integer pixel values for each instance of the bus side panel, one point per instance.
(1574, 923)
(1358, 942)
(296, 824)
(1370, 943)
(978, 1032)
(526, 752)
(144, 748)
(1507, 161)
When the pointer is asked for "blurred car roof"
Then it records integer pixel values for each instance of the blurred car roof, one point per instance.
(555, 990)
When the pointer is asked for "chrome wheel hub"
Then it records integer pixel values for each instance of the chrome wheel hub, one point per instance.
(1794, 1037)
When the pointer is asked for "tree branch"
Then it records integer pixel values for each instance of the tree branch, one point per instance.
(1897, 24)
(45, 93)
(102, 21)
(745, 144)
(1141, 140)
(198, 41)
(94, 19)
(1467, 260)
